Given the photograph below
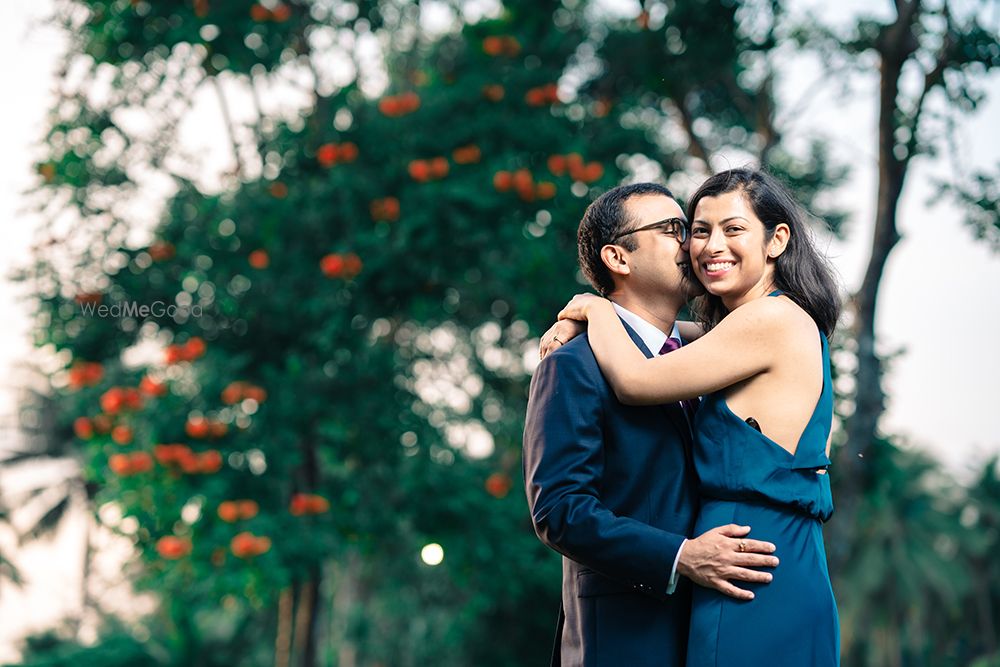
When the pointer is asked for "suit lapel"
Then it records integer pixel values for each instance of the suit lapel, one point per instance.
(673, 411)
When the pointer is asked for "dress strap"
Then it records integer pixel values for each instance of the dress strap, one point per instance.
(776, 292)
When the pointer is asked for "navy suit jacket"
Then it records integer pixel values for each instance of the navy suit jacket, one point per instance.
(610, 487)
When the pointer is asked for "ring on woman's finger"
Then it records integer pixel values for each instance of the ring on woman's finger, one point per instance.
(743, 546)
(555, 339)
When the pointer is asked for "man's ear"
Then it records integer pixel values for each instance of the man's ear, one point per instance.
(779, 241)
(616, 259)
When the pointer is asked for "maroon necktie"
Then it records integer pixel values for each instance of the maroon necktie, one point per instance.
(690, 405)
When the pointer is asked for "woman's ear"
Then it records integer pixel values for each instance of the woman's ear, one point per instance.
(615, 258)
(779, 241)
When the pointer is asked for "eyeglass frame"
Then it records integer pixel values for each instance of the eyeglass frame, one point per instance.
(680, 229)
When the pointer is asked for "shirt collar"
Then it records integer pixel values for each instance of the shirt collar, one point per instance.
(650, 335)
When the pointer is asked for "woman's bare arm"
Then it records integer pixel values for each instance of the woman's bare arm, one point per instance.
(563, 331)
(741, 346)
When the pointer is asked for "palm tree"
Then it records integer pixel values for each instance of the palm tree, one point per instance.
(40, 478)
(901, 593)
(981, 515)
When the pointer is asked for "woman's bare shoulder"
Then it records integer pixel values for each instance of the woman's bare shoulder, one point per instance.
(777, 317)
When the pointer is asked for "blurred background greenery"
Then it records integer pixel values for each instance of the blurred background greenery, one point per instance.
(316, 450)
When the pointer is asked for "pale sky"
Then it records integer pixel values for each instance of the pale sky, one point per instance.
(937, 305)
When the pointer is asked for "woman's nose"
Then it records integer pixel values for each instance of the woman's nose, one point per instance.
(715, 241)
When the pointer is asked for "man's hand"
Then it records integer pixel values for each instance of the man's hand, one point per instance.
(716, 557)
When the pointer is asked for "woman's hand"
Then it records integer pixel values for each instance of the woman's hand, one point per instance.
(579, 305)
(559, 334)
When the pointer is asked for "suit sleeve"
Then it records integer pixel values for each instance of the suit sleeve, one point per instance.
(563, 470)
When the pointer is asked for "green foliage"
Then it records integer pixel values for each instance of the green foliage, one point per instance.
(113, 651)
(342, 374)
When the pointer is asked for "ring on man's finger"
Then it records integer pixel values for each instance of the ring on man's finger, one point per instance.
(743, 545)
(555, 339)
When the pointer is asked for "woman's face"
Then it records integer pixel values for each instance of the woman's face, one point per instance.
(729, 249)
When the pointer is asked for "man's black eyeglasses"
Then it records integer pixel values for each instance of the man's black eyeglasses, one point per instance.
(673, 226)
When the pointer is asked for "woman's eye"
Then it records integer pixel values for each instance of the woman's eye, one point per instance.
(699, 232)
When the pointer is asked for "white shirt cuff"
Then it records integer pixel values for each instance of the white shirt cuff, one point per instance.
(672, 586)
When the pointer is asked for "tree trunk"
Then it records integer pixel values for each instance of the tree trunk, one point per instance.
(305, 622)
(283, 637)
(896, 45)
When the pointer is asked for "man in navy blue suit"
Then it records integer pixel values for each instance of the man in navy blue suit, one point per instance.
(611, 487)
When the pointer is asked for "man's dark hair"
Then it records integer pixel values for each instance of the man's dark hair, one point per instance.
(605, 218)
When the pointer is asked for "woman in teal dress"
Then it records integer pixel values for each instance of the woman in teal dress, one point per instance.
(762, 430)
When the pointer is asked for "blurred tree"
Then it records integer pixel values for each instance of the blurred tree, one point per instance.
(332, 370)
(931, 60)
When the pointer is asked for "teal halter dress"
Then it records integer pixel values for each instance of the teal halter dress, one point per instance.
(748, 479)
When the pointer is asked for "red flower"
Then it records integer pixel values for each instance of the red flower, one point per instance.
(121, 435)
(102, 424)
(493, 92)
(502, 181)
(228, 511)
(170, 454)
(248, 509)
(210, 462)
(308, 503)
(593, 172)
(523, 181)
(557, 164)
(410, 102)
(326, 155)
(498, 484)
(493, 46)
(390, 106)
(255, 393)
(349, 151)
(141, 462)
(197, 427)
(130, 464)
(248, 545)
(113, 400)
(352, 265)
(281, 13)
(259, 13)
(439, 167)
(89, 298)
(151, 387)
(233, 393)
(535, 97)
(217, 429)
(419, 170)
(85, 374)
(161, 251)
(332, 265)
(194, 348)
(259, 259)
(83, 428)
(545, 190)
(172, 547)
(120, 464)
(467, 154)
(385, 209)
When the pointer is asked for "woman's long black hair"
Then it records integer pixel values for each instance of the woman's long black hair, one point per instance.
(801, 272)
